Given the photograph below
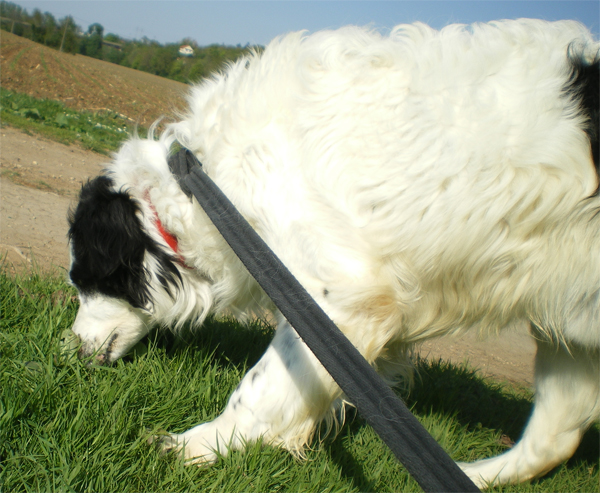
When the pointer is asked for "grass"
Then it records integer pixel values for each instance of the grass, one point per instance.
(98, 131)
(68, 427)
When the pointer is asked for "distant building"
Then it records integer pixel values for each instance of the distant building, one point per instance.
(186, 50)
(116, 46)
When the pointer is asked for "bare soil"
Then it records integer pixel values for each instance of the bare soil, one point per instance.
(85, 83)
(40, 180)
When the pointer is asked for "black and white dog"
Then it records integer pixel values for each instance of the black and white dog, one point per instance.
(417, 184)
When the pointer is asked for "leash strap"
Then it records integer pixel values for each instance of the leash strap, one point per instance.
(414, 447)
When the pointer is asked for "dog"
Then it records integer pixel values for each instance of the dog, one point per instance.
(417, 184)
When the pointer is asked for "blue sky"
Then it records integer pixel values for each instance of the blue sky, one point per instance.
(257, 22)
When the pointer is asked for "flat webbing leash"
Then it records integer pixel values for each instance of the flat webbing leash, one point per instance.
(414, 447)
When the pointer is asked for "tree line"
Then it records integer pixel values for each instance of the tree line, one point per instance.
(145, 54)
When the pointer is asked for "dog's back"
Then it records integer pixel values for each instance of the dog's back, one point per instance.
(441, 169)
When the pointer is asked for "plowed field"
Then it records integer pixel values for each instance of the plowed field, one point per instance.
(86, 83)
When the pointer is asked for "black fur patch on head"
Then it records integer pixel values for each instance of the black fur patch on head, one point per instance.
(584, 86)
(109, 246)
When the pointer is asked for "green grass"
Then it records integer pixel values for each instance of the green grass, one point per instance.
(68, 427)
(98, 131)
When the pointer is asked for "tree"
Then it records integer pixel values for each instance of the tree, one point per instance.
(51, 32)
(69, 29)
(96, 29)
(161, 61)
(37, 26)
(91, 43)
(113, 38)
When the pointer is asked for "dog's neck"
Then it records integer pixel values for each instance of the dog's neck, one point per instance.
(167, 236)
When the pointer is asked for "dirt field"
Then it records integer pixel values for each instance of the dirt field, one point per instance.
(40, 179)
(86, 83)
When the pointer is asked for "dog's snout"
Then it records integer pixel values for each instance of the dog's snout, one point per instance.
(102, 355)
(69, 342)
(91, 357)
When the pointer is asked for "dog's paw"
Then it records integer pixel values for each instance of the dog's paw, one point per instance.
(473, 471)
(192, 449)
(166, 443)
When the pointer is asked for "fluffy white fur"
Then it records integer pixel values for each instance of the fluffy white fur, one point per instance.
(418, 184)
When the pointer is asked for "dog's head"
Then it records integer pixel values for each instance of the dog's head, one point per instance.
(110, 257)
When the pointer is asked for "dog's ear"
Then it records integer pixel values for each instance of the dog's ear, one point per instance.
(108, 243)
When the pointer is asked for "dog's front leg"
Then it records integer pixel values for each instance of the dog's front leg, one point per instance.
(280, 400)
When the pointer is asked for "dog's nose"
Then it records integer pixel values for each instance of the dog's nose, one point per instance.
(88, 355)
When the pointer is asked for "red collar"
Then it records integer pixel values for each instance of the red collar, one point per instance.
(169, 238)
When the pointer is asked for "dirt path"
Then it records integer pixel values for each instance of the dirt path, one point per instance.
(40, 180)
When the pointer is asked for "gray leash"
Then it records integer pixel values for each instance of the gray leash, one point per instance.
(415, 448)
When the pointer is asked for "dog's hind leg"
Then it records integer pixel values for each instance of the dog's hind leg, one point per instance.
(566, 403)
(281, 400)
